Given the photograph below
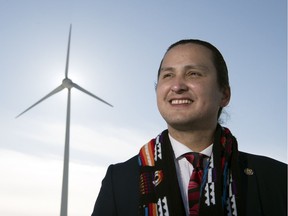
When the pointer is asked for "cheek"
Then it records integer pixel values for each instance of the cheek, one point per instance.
(159, 96)
(161, 91)
(216, 97)
(209, 94)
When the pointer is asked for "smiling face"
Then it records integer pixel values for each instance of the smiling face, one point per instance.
(188, 94)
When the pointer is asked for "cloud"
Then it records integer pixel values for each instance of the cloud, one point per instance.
(97, 144)
(33, 184)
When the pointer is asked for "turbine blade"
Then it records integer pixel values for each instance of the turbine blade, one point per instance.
(56, 90)
(68, 53)
(89, 93)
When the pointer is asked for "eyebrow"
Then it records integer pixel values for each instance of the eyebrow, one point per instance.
(186, 67)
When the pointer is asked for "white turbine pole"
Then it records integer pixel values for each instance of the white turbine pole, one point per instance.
(64, 197)
(66, 83)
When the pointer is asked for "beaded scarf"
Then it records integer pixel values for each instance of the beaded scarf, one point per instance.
(159, 189)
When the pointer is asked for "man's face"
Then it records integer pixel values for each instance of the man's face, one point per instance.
(188, 95)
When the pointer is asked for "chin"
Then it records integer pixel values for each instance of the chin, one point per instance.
(191, 125)
(181, 126)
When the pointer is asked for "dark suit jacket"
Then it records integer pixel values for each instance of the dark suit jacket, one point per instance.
(264, 192)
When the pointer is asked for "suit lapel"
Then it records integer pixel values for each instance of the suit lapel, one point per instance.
(249, 187)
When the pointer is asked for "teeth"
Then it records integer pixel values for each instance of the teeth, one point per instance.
(184, 101)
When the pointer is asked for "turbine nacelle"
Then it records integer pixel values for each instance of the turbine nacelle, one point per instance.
(67, 83)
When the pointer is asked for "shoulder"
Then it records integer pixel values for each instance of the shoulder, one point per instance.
(263, 178)
(128, 163)
(264, 166)
(259, 160)
(128, 167)
(123, 177)
(120, 179)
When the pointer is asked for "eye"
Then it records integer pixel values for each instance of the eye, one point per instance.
(167, 75)
(193, 74)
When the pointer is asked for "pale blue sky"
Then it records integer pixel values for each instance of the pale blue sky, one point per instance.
(116, 49)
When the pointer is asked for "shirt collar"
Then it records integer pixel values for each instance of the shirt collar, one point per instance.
(180, 149)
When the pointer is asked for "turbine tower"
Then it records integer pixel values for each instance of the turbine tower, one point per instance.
(66, 83)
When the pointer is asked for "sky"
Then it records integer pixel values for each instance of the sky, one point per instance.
(116, 48)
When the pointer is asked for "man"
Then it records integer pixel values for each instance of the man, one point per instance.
(164, 179)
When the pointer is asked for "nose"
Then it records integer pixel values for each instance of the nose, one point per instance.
(179, 85)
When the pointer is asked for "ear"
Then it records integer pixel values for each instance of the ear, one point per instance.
(226, 92)
(155, 85)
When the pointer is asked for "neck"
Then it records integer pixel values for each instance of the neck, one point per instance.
(196, 140)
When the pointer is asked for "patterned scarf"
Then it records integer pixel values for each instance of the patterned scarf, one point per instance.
(159, 189)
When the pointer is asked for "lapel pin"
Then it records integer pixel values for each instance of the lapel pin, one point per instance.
(248, 171)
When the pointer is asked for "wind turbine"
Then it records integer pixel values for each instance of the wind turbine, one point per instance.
(66, 83)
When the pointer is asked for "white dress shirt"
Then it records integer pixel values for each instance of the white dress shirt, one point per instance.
(184, 168)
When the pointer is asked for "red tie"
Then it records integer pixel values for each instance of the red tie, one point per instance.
(196, 159)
